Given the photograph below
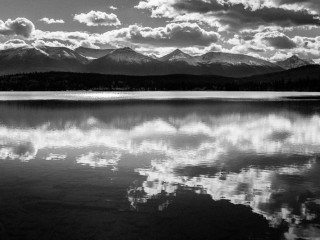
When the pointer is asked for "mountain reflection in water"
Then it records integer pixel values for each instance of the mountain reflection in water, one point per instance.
(260, 154)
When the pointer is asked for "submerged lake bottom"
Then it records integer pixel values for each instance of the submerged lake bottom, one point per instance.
(217, 166)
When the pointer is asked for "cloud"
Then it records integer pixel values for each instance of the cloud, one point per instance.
(63, 38)
(225, 143)
(195, 26)
(74, 39)
(52, 43)
(62, 35)
(87, 44)
(304, 47)
(230, 14)
(165, 177)
(97, 18)
(189, 36)
(51, 21)
(24, 151)
(311, 4)
(173, 34)
(13, 43)
(275, 45)
(280, 41)
(251, 44)
(55, 157)
(175, 136)
(280, 56)
(19, 27)
(99, 159)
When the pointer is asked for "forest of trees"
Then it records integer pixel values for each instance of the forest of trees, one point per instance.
(301, 79)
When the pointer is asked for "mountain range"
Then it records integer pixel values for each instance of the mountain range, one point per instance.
(126, 61)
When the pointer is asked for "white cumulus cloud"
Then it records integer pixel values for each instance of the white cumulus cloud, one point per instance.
(19, 26)
(97, 18)
(51, 20)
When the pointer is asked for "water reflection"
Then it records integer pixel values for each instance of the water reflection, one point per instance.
(260, 154)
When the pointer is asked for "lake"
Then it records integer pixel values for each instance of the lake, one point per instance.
(175, 165)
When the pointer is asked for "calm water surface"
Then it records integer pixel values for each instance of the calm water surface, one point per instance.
(203, 169)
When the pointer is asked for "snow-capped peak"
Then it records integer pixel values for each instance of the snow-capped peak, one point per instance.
(179, 56)
(128, 55)
(294, 62)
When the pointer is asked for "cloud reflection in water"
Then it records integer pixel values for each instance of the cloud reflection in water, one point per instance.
(266, 160)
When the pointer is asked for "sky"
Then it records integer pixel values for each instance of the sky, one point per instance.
(268, 29)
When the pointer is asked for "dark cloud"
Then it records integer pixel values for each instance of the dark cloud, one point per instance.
(293, 1)
(199, 6)
(299, 2)
(281, 42)
(25, 150)
(256, 50)
(314, 5)
(239, 16)
(20, 27)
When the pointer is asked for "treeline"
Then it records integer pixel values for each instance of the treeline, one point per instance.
(302, 79)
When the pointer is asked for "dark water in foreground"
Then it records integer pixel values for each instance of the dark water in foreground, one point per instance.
(160, 170)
